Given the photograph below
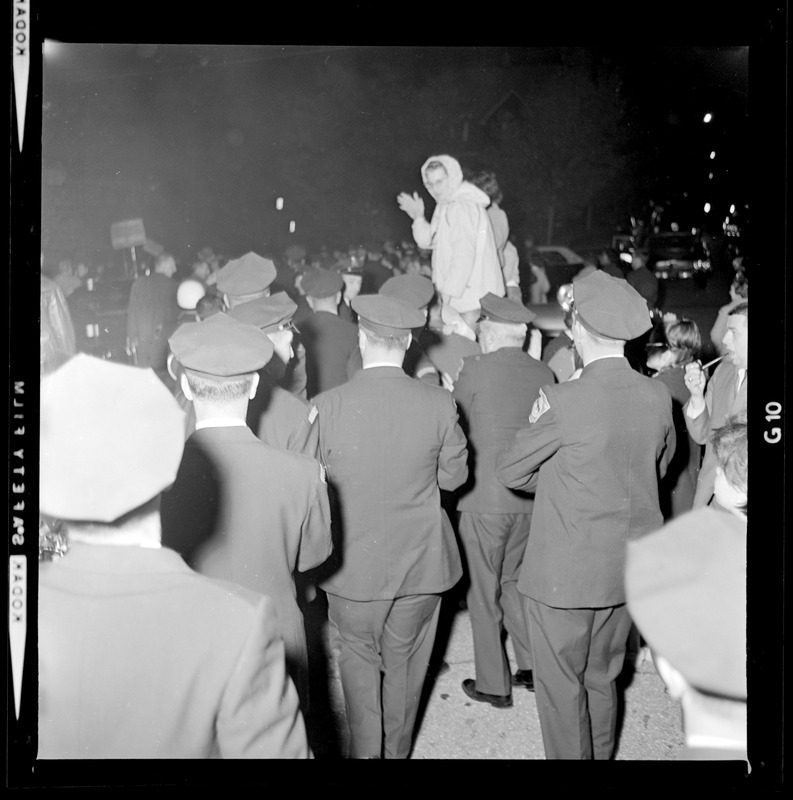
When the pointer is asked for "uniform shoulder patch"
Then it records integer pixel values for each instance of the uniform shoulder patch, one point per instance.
(541, 405)
(312, 415)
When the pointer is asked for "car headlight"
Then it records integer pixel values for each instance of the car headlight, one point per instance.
(702, 264)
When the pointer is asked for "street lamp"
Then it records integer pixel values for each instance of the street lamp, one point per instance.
(708, 117)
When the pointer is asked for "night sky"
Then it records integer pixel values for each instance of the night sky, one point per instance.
(199, 140)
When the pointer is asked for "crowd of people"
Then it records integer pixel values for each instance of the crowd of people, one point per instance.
(340, 440)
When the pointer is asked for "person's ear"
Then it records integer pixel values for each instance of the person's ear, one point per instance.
(254, 386)
(185, 387)
(338, 297)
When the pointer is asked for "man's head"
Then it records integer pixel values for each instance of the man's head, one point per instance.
(201, 270)
(208, 305)
(111, 439)
(272, 315)
(731, 449)
(245, 279)
(220, 357)
(607, 312)
(384, 327)
(503, 323)
(165, 265)
(736, 338)
(351, 271)
(323, 288)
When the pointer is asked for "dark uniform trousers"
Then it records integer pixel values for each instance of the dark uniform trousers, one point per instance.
(383, 649)
(578, 656)
(494, 545)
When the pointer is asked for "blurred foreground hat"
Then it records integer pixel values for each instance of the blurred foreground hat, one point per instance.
(221, 347)
(320, 282)
(111, 439)
(386, 315)
(270, 314)
(247, 275)
(189, 293)
(686, 592)
(610, 307)
(500, 309)
(415, 290)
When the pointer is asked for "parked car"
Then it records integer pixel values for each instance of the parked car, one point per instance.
(561, 265)
(678, 255)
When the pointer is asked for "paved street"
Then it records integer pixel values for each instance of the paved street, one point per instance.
(452, 726)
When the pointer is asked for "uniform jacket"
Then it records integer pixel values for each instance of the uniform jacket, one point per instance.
(281, 419)
(242, 511)
(721, 401)
(140, 657)
(495, 393)
(390, 444)
(679, 484)
(465, 263)
(601, 447)
(330, 343)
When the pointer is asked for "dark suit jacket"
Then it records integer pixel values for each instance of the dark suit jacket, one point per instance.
(390, 444)
(721, 401)
(152, 316)
(495, 393)
(245, 512)
(330, 344)
(601, 448)
(140, 657)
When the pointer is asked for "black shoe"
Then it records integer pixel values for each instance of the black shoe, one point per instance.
(495, 700)
(524, 678)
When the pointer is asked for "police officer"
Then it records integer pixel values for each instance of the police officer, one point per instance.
(244, 279)
(239, 509)
(600, 443)
(495, 393)
(139, 656)
(251, 278)
(390, 444)
(278, 417)
(331, 342)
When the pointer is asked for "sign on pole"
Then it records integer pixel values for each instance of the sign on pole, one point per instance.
(127, 233)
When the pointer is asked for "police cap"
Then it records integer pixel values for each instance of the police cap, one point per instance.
(686, 591)
(221, 347)
(386, 316)
(500, 309)
(416, 290)
(247, 275)
(270, 314)
(111, 439)
(610, 307)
